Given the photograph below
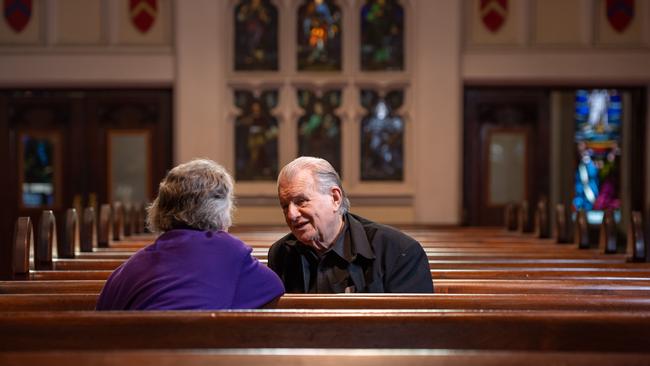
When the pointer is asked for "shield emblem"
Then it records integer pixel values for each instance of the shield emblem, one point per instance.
(18, 13)
(143, 13)
(620, 13)
(494, 13)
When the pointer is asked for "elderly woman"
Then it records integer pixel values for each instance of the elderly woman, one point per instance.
(194, 263)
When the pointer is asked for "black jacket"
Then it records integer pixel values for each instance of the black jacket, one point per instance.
(378, 259)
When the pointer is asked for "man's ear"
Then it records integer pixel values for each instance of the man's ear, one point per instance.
(337, 197)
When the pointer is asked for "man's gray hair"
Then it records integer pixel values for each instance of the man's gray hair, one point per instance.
(323, 172)
(197, 194)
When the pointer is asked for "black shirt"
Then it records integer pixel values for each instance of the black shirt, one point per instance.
(366, 257)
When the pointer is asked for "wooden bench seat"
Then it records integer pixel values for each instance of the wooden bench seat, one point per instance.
(539, 273)
(616, 286)
(484, 263)
(436, 274)
(542, 302)
(571, 331)
(51, 287)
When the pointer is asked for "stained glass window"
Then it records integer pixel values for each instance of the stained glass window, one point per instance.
(319, 36)
(38, 170)
(598, 150)
(382, 36)
(319, 128)
(256, 136)
(256, 35)
(382, 137)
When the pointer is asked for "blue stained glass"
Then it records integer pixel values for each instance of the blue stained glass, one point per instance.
(382, 137)
(598, 116)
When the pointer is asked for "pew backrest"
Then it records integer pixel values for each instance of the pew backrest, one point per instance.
(570, 331)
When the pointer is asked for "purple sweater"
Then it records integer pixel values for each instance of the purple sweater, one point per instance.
(191, 269)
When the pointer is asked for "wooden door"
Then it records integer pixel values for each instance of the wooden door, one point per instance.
(132, 137)
(505, 151)
(73, 148)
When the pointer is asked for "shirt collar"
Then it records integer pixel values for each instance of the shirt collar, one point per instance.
(358, 238)
(351, 241)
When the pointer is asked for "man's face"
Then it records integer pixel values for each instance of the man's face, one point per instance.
(312, 216)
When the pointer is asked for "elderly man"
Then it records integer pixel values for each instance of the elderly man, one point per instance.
(330, 250)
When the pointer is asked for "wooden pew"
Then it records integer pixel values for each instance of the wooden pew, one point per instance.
(87, 231)
(593, 286)
(607, 241)
(23, 239)
(68, 235)
(78, 302)
(524, 222)
(570, 331)
(561, 227)
(581, 231)
(510, 217)
(540, 220)
(319, 356)
(536, 268)
(484, 302)
(636, 246)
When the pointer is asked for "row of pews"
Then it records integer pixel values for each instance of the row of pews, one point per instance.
(501, 297)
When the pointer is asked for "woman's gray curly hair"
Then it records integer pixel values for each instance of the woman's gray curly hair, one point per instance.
(197, 194)
(323, 172)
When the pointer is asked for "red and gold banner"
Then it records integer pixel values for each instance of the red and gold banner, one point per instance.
(18, 13)
(494, 13)
(143, 13)
(620, 13)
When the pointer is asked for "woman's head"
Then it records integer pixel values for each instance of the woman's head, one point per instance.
(198, 194)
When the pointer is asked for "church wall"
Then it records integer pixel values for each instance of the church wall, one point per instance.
(187, 51)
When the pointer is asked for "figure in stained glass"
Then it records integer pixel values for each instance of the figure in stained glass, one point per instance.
(382, 137)
(597, 138)
(382, 36)
(256, 137)
(256, 36)
(319, 36)
(319, 129)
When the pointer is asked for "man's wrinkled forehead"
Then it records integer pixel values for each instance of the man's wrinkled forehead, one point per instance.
(300, 183)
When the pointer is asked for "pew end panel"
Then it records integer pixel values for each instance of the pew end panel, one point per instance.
(23, 239)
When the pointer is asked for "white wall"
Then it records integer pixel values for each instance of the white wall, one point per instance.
(438, 119)
(199, 80)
